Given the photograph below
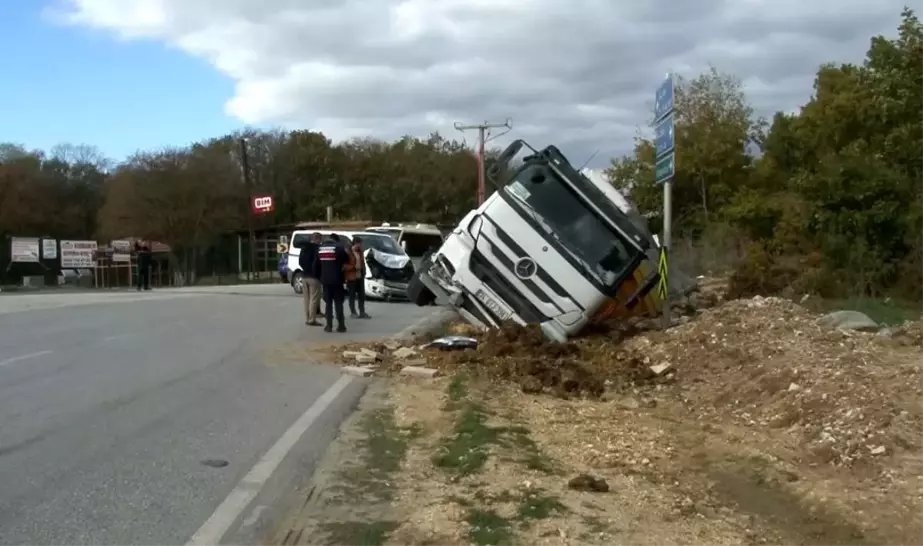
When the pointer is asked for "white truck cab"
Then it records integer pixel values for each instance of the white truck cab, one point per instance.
(415, 239)
(549, 247)
(388, 268)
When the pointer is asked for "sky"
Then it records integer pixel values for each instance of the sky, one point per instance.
(126, 75)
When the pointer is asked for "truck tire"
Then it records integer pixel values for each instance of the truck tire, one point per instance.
(417, 292)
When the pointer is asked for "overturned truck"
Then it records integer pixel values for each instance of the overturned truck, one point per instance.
(551, 247)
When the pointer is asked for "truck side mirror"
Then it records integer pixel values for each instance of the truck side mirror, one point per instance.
(503, 161)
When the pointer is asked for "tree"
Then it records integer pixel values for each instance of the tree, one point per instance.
(836, 193)
(713, 128)
(833, 191)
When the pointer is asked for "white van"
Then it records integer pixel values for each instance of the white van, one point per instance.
(415, 239)
(388, 268)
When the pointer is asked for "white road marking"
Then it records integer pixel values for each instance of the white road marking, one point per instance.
(23, 357)
(214, 529)
(119, 336)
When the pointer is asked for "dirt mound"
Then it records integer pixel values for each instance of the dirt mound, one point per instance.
(587, 366)
(765, 362)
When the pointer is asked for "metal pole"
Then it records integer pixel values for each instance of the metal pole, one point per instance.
(482, 143)
(245, 165)
(664, 170)
(667, 236)
(482, 191)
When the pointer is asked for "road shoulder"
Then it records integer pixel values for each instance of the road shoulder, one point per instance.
(350, 497)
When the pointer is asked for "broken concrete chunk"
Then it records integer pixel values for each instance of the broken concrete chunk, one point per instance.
(419, 362)
(880, 450)
(417, 371)
(351, 354)
(659, 369)
(392, 345)
(366, 359)
(371, 353)
(361, 371)
(849, 320)
(405, 352)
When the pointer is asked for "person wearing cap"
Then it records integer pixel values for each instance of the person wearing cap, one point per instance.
(329, 270)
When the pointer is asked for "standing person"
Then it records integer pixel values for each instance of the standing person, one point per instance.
(139, 282)
(355, 279)
(144, 266)
(331, 258)
(311, 287)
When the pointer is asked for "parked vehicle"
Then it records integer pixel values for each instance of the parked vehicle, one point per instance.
(415, 239)
(388, 268)
(549, 247)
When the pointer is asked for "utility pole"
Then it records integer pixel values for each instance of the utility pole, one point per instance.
(248, 187)
(483, 129)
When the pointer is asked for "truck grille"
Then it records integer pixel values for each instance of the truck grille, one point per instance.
(493, 278)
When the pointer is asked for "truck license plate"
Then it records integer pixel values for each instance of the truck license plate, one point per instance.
(492, 305)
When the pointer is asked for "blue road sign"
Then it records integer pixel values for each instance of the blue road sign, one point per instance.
(663, 101)
(665, 168)
(663, 136)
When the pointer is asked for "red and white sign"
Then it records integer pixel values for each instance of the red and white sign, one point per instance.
(262, 204)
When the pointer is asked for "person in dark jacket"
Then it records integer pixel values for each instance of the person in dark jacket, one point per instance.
(144, 265)
(311, 287)
(331, 259)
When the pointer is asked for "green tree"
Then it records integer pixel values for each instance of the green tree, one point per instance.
(714, 126)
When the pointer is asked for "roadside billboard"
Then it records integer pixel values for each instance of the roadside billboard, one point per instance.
(49, 249)
(78, 254)
(24, 249)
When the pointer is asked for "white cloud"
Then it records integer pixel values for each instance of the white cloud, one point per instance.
(579, 73)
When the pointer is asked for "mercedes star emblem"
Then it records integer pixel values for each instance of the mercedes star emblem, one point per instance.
(525, 268)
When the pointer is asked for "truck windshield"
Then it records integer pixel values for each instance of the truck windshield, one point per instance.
(565, 217)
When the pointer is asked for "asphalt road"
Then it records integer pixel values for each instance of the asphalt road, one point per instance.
(110, 403)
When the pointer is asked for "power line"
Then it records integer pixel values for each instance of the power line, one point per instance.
(483, 129)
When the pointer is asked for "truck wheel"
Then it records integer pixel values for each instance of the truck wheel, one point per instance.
(417, 292)
(298, 282)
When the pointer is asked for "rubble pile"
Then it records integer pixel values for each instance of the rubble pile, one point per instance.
(388, 356)
(761, 362)
(767, 362)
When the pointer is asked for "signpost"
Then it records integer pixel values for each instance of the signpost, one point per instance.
(664, 169)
